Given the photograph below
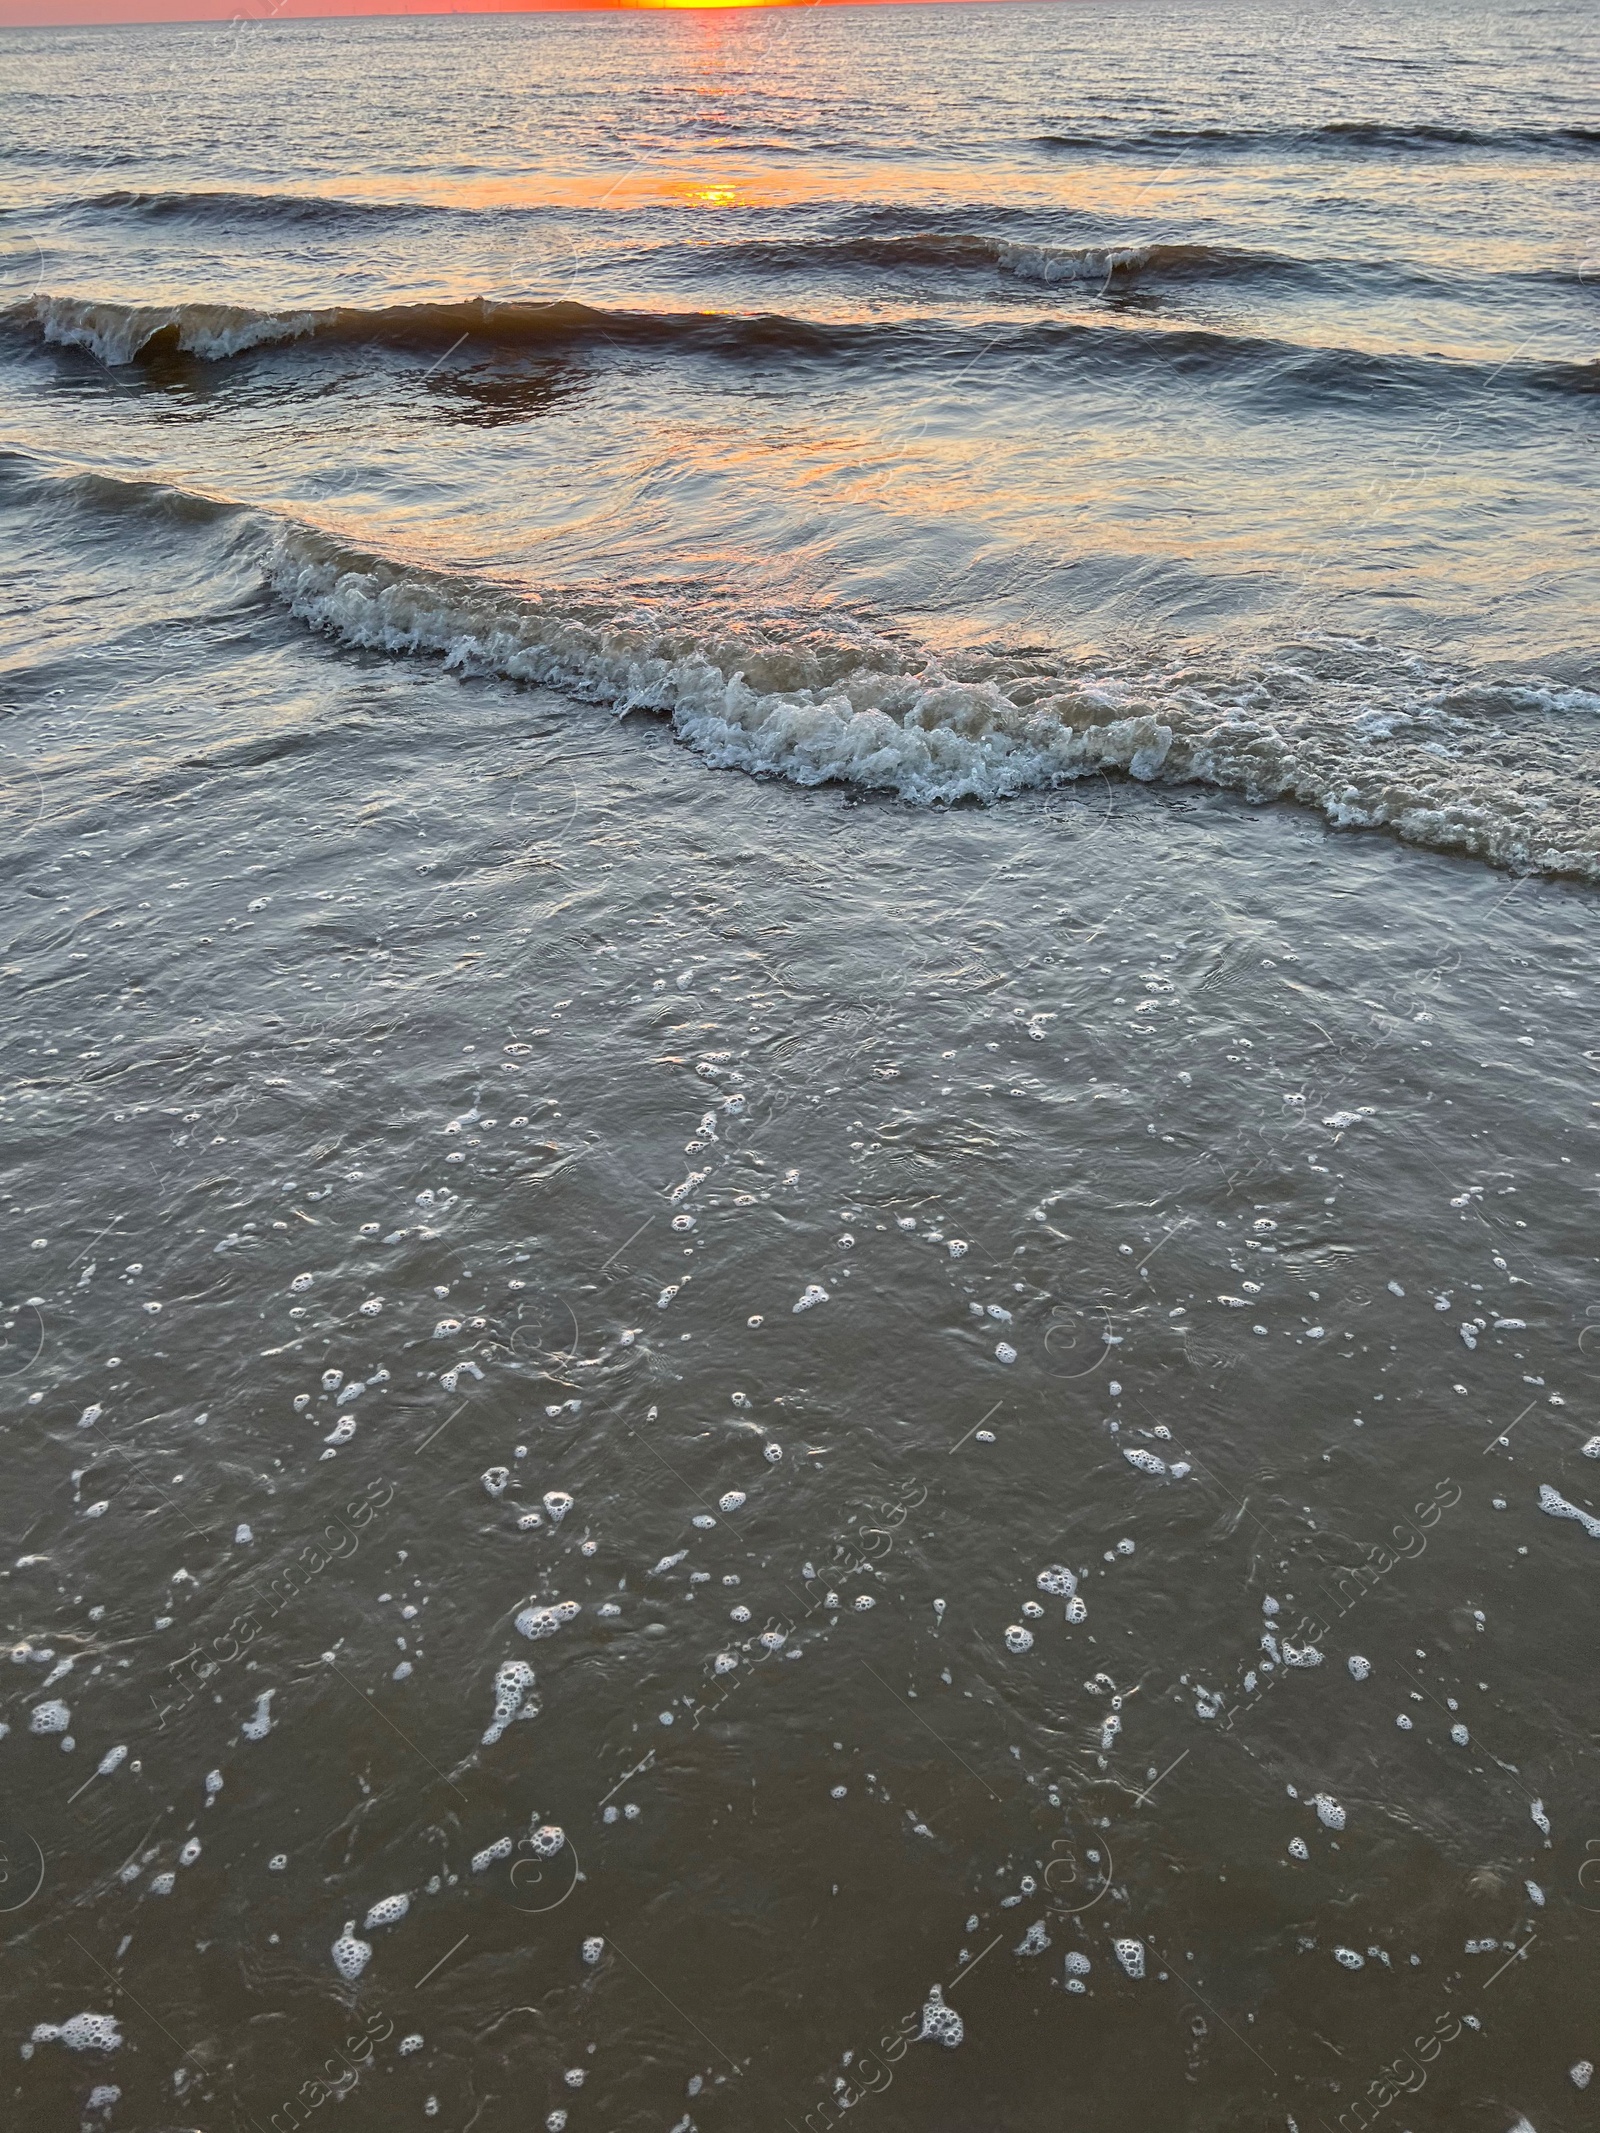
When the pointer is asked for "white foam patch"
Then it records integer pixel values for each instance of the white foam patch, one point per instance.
(259, 1724)
(537, 1622)
(1557, 1506)
(512, 1684)
(351, 1956)
(940, 2024)
(81, 2033)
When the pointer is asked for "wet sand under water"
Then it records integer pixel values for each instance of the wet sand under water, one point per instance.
(847, 1208)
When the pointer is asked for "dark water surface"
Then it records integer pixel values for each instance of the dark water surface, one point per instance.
(652, 1428)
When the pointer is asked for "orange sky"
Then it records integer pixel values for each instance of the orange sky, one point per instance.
(17, 14)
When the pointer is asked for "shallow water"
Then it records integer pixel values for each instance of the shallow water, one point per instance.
(826, 1190)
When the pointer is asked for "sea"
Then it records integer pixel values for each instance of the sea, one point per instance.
(824, 734)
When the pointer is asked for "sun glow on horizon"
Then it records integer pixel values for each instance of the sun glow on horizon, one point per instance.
(705, 4)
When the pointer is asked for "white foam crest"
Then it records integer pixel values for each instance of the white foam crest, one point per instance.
(115, 333)
(800, 711)
(1069, 262)
(1370, 737)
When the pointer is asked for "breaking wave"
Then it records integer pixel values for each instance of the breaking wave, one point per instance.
(119, 334)
(1370, 736)
(1372, 739)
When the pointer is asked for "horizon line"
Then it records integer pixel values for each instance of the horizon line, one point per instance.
(123, 15)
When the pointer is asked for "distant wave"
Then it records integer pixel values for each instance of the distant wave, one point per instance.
(1337, 133)
(1047, 263)
(274, 209)
(1370, 737)
(120, 334)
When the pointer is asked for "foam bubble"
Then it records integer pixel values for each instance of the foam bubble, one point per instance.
(81, 2033)
(387, 1911)
(1019, 1639)
(512, 1682)
(259, 1724)
(940, 2024)
(1556, 1505)
(1130, 1954)
(351, 1956)
(536, 1622)
(51, 1717)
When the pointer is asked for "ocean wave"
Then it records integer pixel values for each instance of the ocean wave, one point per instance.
(1500, 768)
(1371, 740)
(968, 251)
(272, 209)
(1391, 135)
(119, 334)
